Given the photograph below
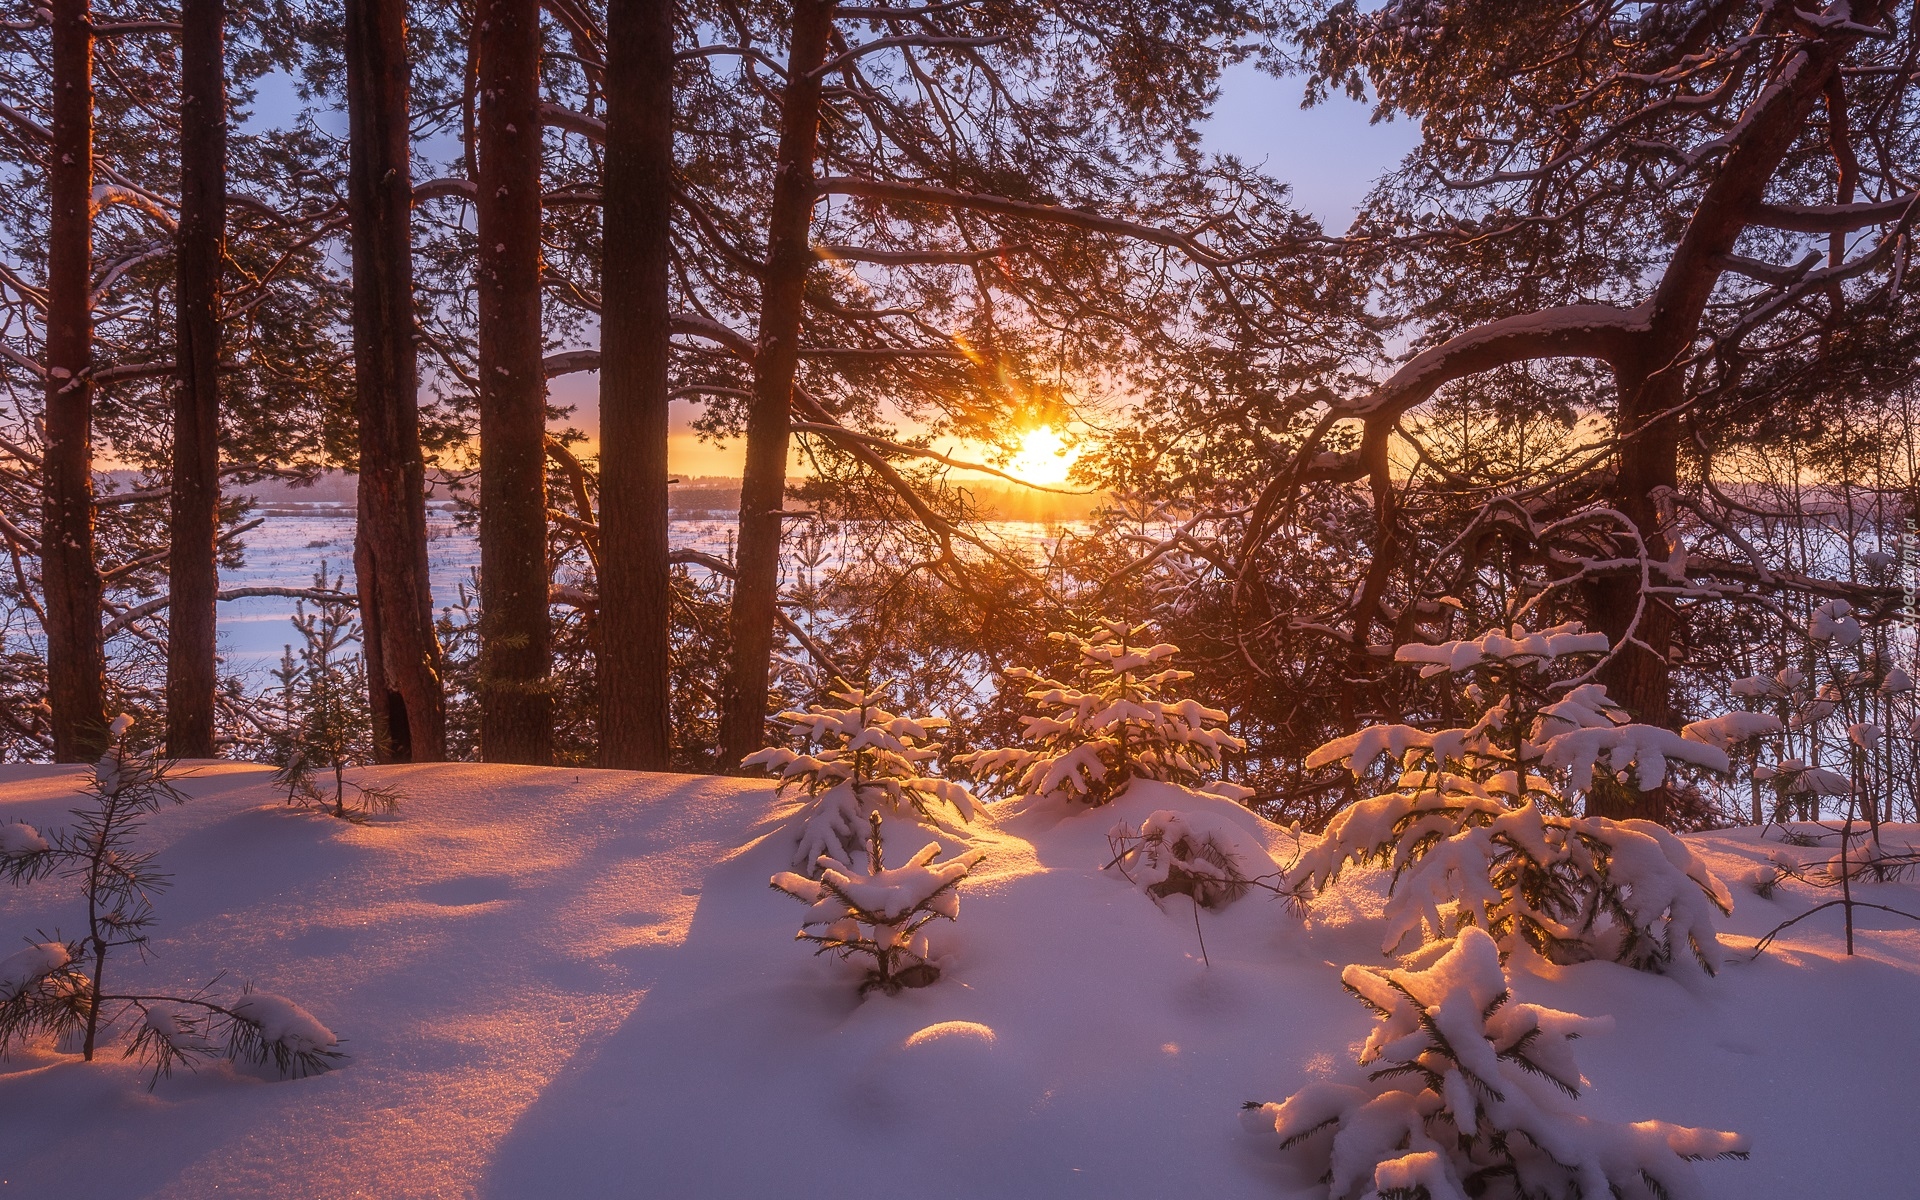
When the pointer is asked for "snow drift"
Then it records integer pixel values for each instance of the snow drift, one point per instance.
(577, 983)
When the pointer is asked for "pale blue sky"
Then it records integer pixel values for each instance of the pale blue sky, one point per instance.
(1330, 154)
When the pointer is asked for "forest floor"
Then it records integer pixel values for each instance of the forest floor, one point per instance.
(560, 983)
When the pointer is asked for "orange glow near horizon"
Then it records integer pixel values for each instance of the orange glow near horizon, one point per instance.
(1044, 457)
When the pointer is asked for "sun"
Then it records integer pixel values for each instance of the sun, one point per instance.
(1044, 457)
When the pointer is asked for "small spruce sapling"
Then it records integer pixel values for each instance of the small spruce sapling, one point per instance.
(849, 762)
(324, 724)
(879, 912)
(1110, 722)
(59, 987)
(1470, 1096)
(1479, 824)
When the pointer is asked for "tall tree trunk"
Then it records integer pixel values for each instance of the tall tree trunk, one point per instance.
(1653, 386)
(1639, 675)
(516, 702)
(76, 663)
(404, 686)
(193, 571)
(636, 244)
(776, 357)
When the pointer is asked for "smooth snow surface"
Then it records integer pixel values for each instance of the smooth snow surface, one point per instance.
(559, 983)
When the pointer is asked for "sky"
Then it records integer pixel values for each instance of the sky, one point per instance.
(1330, 153)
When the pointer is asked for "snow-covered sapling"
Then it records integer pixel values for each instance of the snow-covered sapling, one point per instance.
(1471, 1095)
(324, 723)
(879, 913)
(1110, 721)
(1477, 824)
(1849, 711)
(59, 987)
(851, 761)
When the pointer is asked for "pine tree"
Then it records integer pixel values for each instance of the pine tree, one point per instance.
(60, 987)
(406, 701)
(1468, 1097)
(516, 699)
(879, 913)
(1856, 698)
(1109, 723)
(1478, 823)
(325, 727)
(69, 570)
(850, 762)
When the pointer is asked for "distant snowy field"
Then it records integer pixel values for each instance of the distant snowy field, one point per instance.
(294, 541)
(559, 983)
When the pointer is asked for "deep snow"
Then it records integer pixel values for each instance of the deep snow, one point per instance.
(578, 983)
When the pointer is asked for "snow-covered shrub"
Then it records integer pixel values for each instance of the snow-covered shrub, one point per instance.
(1846, 714)
(879, 912)
(1191, 854)
(1478, 823)
(1111, 721)
(1470, 1095)
(59, 987)
(851, 761)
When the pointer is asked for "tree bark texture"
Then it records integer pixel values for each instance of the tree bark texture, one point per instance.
(193, 570)
(516, 702)
(636, 245)
(76, 668)
(404, 683)
(775, 360)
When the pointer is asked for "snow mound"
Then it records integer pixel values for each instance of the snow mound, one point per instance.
(628, 1001)
(1199, 854)
(19, 838)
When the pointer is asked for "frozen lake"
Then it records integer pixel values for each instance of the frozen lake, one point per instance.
(289, 547)
(295, 539)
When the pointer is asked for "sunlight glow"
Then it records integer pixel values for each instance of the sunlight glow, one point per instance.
(1044, 457)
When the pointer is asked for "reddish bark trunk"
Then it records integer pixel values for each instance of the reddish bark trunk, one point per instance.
(76, 667)
(404, 685)
(516, 702)
(1652, 388)
(776, 358)
(193, 572)
(636, 246)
